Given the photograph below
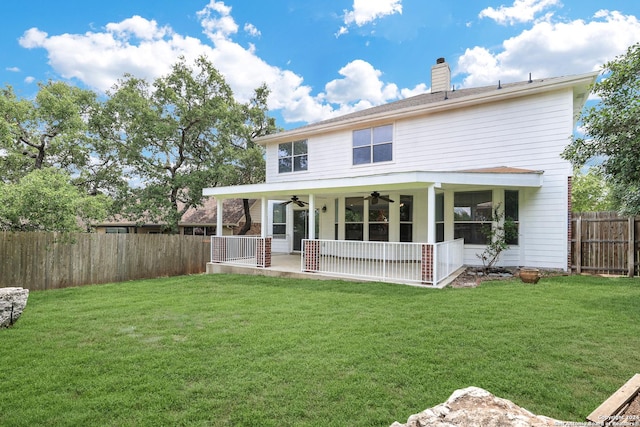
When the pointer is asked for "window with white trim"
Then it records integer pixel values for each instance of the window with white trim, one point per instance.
(439, 217)
(373, 145)
(511, 215)
(406, 218)
(472, 213)
(279, 221)
(292, 156)
(354, 218)
(379, 221)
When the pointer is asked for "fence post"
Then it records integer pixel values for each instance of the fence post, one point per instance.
(579, 245)
(631, 254)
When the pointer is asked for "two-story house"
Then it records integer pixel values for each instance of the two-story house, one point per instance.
(410, 185)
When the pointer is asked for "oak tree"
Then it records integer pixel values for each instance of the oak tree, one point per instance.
(178, 135)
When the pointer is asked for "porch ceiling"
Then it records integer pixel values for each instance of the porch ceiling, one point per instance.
(497, 177)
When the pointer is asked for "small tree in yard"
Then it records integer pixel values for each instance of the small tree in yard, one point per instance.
(45, 200)
(498, 235)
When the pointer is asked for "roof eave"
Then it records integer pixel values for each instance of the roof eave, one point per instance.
(584, 81)
(390, 181)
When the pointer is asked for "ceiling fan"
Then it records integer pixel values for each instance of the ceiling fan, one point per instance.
(375, 196)
(294, 199)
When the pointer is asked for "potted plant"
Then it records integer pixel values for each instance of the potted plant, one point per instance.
(529, 275)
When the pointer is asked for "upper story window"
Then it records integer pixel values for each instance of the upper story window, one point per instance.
(373, 145)
(292, 156)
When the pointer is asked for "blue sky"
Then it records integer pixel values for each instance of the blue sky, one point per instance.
(319, 58)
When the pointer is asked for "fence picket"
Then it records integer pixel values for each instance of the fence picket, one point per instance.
(39, 261)
(604, 243)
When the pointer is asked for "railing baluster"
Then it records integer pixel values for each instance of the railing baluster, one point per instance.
(387, 261)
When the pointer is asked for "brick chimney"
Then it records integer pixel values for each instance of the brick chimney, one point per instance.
(440, 76)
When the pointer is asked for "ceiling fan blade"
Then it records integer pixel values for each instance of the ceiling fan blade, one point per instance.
(300, 203)
(387, 199)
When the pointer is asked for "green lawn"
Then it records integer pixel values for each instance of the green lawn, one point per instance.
(225, 350)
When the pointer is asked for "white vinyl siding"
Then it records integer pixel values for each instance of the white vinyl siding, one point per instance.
(528, 133)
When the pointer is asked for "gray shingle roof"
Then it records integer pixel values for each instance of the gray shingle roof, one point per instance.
(422, 99)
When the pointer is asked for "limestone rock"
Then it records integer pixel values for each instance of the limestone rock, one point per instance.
(472, 407)
(12, 303)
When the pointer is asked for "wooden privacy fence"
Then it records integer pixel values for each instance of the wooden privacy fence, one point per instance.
(39, 261)
(605, 243)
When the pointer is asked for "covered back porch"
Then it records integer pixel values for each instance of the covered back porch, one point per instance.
(420, 264)
(394, 227)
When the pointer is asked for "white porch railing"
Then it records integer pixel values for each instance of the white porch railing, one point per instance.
(252, 251)
(419, 263)
(449, 257)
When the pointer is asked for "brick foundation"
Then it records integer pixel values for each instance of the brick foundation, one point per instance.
(427, 264)
(263, 256)
(312, 255)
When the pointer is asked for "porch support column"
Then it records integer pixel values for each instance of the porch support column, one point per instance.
(311, 248)
(219, 214)
(431, 214)
(219, 245)
(428, 249)
(264, 217)
(312, 216)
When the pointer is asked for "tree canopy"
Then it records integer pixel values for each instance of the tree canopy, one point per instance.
(150, 147)
(48, 159)
(612, 129)
(179, 135)
(45, 200)
(591, 192)
(48, 131)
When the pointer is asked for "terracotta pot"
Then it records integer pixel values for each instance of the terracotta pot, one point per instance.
(529, 275)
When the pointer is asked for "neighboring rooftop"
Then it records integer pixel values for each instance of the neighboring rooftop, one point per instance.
(203, 215)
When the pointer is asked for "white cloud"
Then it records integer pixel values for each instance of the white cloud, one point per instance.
(138, 27)
(143, 48)
(33, 38)
(520, 11)
(13, 69)
(552, 49)
(417, 90)
(341, 31)
(361, 82)
(251, 30)
(99, 59)
(366, 11)
(217, 21)
(29, 79)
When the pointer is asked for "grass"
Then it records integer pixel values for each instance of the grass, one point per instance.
(225, 350)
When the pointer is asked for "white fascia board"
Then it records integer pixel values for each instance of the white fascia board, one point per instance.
(391, 181)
